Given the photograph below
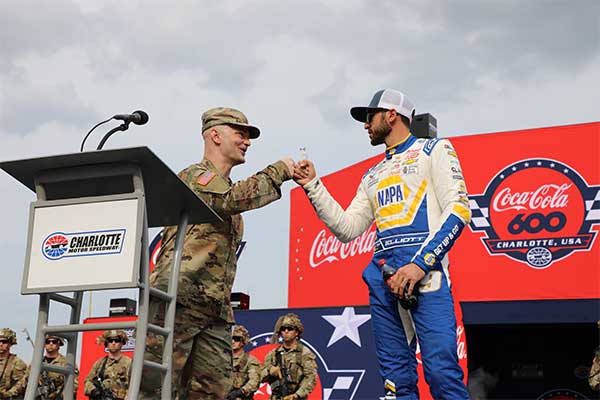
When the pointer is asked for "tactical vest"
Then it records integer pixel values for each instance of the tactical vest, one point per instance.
(240, 372)
(294, 365)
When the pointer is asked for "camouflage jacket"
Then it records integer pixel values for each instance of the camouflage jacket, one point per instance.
(12, 373)
(116, 375)
(302, 366)
(54, 381)
(208, 264)
(58, 380)
(246, 370)
(594, 378)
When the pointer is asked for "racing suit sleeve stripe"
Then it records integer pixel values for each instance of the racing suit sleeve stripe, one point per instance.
(345, 225)
(463, 212)
(450, 191)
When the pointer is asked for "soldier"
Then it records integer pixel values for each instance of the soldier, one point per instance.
(203, 317)
(12, 369)
(52, 384)
(290, 368)
(110, 374)
(246, 367)
(594, 377)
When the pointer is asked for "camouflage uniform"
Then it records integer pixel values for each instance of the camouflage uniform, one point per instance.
(57, 380)
(54, 381)
(12, 371)
(301, 364)
(594, 378)
(246, 368)
(116, 372)
(202, 337)
(299, 361)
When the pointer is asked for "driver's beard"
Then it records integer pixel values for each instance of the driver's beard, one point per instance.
(380, 133)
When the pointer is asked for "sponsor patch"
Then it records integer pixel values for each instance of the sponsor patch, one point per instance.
(428, 148)
(429, 259)
(389, 195)
(410, 170)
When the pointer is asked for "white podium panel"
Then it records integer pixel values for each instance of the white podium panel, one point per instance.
(83, 244)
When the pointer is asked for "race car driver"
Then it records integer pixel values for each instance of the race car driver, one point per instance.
(417, 197)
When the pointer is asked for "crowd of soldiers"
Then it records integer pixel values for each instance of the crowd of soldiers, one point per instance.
(290, 368)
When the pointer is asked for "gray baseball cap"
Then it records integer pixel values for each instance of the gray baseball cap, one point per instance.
(385, 99)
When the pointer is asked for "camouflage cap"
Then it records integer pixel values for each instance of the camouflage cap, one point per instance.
(61, 341)
(115, 334)
(8, 334)
(240, 330)
(227, 116)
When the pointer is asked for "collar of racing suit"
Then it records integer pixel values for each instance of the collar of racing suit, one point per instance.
(400, 147)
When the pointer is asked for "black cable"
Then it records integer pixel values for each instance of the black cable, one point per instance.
(88, 134)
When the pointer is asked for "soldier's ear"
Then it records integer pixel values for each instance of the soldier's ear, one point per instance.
(215, 135)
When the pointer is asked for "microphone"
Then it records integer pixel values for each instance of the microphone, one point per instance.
(138, 117)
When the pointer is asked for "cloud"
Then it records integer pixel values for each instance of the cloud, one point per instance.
(295, 68)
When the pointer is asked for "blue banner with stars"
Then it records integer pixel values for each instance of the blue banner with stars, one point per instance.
(340, 337)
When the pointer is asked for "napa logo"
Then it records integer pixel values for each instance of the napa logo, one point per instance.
(390, 195)
(536, 211)
(59, 245)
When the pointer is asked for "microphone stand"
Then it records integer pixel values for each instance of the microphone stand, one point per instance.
(88, 134)
(123, 127)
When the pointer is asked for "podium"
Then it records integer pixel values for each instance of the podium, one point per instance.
(88, 230)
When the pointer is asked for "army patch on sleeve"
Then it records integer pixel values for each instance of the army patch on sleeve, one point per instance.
(205, 178)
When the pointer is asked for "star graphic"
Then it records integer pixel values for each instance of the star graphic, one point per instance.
(346, 325)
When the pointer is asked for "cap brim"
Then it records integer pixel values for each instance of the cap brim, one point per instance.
(360, 113)
(253, 131)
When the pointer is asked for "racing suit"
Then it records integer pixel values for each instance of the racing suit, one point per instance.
(418, 200)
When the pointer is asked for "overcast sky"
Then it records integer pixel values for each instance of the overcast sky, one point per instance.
(295, 68)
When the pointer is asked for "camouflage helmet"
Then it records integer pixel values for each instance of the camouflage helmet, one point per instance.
(240, 330)
(61, 341)
(115, 334)
(9, 334)
(289, 319)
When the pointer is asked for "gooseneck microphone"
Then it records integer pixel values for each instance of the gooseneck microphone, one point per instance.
(138, 117)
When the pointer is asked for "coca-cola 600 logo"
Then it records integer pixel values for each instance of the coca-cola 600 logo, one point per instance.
(536, 211)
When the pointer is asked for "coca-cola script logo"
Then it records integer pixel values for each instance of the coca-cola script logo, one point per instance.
(536, 211)
(461, 345)
(326, 248)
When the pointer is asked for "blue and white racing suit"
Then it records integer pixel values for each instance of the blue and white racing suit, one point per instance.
(418, 200)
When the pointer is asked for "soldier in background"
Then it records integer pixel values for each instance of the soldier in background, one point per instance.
(52, 384)
(246, 367)
(290, 368)
(202, 354)
(111, 372)
(594, 378)
(12, 369)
